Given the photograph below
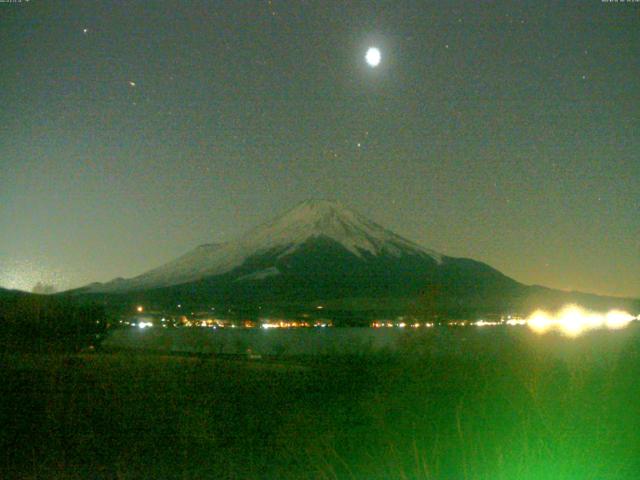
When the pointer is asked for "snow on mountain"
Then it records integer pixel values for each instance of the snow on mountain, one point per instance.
(316, 218)
(310, 219)
(260, 274)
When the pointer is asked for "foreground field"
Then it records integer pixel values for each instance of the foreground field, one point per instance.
(497, 405)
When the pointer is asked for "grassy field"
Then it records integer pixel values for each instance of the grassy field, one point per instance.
(526, 408)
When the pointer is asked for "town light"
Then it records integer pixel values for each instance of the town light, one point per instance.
(573, 320)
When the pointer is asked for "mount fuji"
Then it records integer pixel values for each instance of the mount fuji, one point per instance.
(322, 252)
(311, 222)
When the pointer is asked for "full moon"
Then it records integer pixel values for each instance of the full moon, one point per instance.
(373, 57)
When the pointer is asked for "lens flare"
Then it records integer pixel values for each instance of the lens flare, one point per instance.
(540, 322)
(617, 319)
(573, 320)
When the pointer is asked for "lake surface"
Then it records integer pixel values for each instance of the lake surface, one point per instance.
(438, 340)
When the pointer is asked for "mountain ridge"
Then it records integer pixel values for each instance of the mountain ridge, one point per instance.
(323, 252)
(309, 219)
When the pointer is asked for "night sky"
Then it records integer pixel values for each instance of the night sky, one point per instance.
(130, 132)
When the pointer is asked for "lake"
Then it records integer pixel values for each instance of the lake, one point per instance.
(435, 341)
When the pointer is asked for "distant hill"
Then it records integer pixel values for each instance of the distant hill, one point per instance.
(32, 321)
(322, 254)
(6, 293)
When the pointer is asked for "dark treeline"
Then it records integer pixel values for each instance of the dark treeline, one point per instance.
(45, 322)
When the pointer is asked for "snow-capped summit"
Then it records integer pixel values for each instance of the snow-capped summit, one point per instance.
(323, 253)
(330, 219)
(311, 219)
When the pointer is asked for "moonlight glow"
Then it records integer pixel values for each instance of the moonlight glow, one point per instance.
(373, 57)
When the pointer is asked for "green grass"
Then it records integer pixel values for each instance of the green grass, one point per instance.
(490, 405)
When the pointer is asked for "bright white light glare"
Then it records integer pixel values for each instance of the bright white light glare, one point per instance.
(514, 322)
(540, 321)
(484, 323)
(573, 320)
(373, 57)
(616, 319)
(145, 324)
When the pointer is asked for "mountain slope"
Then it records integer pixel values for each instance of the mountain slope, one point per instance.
(321, 252)
(279, 238)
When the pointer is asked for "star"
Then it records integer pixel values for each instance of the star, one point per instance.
(131, 83)
(85, 30)
(271, 9)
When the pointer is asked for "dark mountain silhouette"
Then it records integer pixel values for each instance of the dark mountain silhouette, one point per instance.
(322, 254)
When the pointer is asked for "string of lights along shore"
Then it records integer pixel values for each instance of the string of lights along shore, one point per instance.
(135, 131)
